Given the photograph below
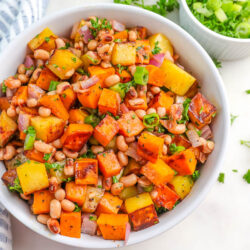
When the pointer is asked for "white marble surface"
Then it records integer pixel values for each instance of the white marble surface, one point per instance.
(222, 221)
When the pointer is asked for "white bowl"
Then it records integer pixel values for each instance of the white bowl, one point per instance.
(218, 46)
(193, 56)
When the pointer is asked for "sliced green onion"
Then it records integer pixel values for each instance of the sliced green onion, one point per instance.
(243, 30)
(93, 120)
(176, 149)
(30, 138)
(151, 120)
(53, 85)
(141, 75)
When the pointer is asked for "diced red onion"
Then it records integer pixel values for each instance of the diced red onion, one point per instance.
(86, 33)
(132, 151)
(127, 232)
(88, 226)
(169, 57)
(157, 60)
(117, 26)
(10, 92)
(23, 121)
(206, 132)
(28, 62)
(35, 92)
(89, 82)
(193, 138)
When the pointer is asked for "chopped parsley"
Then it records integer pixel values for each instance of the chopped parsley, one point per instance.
(221, 177)
(17, 187)
(217, 63)
(114, 179)
(92, 119)
(4, 87)
(156, 49)
(81, 71)
(93, 217)
(46, 157)
(77, 208)
(99, 24)
(245, 143)
(233, 117)
(235, 170)
(54, 166)
(246, 176)
(74, 59)
(47, 39)
(196, 175)
(121, 68)
(176, 149)
(17, 163)
(67, 45)
(69, 179)
(248, 91)
(185, 116)
(88, 154)
(117, 40)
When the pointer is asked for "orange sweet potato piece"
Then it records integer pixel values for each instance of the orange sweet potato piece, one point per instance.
(76, 135)
(124, 76)
(54, 103)
(34, 155)
(166, 197)
(122, 35)
(86, 171)
(156, 76)
(77, 116)
(143, 218)
(143, 106)
(45, 77)
(4, 103)
(105, 131)
(30, 111)
(142, 51)
(90, 98)
(114, 226)
(130, 124)
(108, 163)
(70, 224)
(158, 172)
(75, 192)
(48, 45)
(149, 146)
(101, 73)
(109, 102)
(41, 204)
(109, 204)
(20, 96)
(201, 111)
(184, 162)
(162, 100)
(68, 98)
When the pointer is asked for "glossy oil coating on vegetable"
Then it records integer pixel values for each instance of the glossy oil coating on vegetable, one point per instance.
(102, 131)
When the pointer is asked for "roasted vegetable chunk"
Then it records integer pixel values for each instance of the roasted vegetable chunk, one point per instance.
(143, 218)
(108, 163)
(62, 62)
(124, 54)
(41, 204)
(44, 79)
(165, 197)
(184, 162)
(76, 193)
(86, 171)
(156, 76)
(105, 131)
(77, 116)
(4, 103)
(114, 226)
(34, 155)
(33, 176)
(201, 111)
(70, 224)
(20, 96)
(101, 73)
(149, 146)
(109, 102)
(68, 98)
(177, 80)
(76, 135)
(162, 100)
(162, 42)
(158, 172)
(47, 129)
(7, 128)
(130, 124)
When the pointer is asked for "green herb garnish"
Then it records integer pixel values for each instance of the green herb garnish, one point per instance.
(4, 87)
(55, 166)
(176, 149)
(77, 208)
(46, 157)
(156, 49)
(47, 39)
(196, 175)
(245, 143)
(221, 177)
(17, 187)
(233, 117)
(53, 85)
(88, 154)
(114, 179)
(246, 176)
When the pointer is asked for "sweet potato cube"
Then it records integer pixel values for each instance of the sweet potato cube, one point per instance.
(156, 76)
(75, 192)
(201, 111)
(34, 155)
(158, 172)
(93, 197)
(41, 204)
(125, 76)
(130, 124)
(21, 96)
(90, 98)
(184, 162)
(4, 103)
(45, 77)
(76, 135)
(109, 102)
(177, 80)
(137, 202)
(143, 218)
(114, 226)
(124, 54)
(108, 163)
(30, 111)
(54, 103)
(105, 131)
(143, 105)
(70, 224)
(47, 129)
(68, 98)
(109, 204)
(142, 51)
(86, 171)
(166, 197)
(49, 44)
(122, 35)
(33, 176)
(149, 146)
(62, 61)
(101, 73)
(77, 116)
(162, 100)
(39, 39)
(7, 128)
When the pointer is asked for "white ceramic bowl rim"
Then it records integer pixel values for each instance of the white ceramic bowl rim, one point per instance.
(161, 227)
(211, 32)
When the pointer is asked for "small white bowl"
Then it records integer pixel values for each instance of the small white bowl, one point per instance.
(218, 46)
(193, 57)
